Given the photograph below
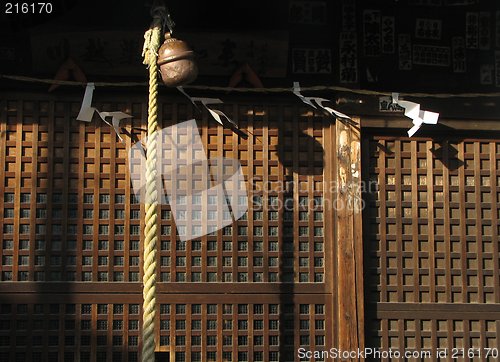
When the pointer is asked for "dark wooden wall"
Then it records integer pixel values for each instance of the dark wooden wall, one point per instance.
(432, 243)
(71, 237)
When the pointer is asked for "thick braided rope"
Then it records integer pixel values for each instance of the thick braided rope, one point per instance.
(151, 45)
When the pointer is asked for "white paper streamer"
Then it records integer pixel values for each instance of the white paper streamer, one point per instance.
(87, 112)
(206, 101)
(214, 112)
(115, 122)
(333, 112)
(318, 102)
(418, 117)
(296, 91)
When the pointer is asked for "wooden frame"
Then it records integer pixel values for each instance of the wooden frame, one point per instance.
(85, 188)
(432, 243)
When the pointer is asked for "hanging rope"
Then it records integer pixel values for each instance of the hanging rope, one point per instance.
(152, 39)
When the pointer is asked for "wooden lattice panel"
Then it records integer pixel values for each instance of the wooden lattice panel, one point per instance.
(258, 245)
(71, 232)
(200, 331)
(432, 243)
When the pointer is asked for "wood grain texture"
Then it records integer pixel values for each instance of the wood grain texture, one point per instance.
(349, 237)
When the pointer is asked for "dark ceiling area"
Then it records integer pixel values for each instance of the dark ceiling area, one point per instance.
(188, 14)
(409, 45)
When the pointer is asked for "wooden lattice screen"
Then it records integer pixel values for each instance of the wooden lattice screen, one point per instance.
(71, 231)
(432, 244)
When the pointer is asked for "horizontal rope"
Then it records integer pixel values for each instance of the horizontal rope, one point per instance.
(256, 90)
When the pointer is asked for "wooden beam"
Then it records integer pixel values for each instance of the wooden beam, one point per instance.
(398, 122)
(348, 206)
(358, 226)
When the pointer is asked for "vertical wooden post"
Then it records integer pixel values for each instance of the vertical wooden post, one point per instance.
(349, 251)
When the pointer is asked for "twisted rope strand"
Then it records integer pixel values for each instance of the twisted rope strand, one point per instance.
(151, 45)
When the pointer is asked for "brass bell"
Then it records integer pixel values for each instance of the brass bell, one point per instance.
(176, 61)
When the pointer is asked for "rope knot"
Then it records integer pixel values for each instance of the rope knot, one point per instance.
(152, 38)
(147, 45)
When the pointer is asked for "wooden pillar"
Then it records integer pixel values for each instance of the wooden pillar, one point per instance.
(349, 247)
